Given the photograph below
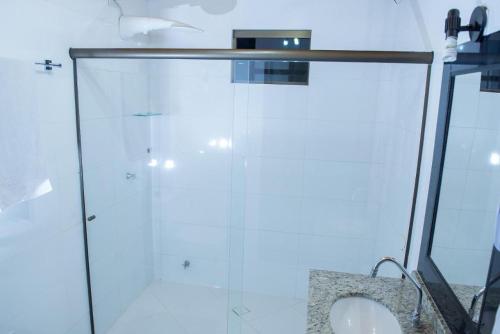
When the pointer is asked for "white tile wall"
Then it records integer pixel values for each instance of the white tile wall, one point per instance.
(309, 164)
(321, 176)
(42, 267)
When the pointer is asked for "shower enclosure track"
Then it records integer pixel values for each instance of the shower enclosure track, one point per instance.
(401, 57)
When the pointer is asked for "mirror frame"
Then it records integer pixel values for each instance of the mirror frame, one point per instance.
(472, 57)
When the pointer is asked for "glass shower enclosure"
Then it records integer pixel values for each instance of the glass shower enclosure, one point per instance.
(208, 203)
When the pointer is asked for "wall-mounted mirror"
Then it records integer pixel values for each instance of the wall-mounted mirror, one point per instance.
(470, 190)
(457, 256)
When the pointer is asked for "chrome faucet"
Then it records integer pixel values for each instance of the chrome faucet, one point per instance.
(475, 299)
(418, 309)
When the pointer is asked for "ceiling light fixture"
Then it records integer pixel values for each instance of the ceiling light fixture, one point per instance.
(131, 26)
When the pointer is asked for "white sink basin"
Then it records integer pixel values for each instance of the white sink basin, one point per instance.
(358, 315)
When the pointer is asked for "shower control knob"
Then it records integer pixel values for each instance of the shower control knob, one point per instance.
(91, 218)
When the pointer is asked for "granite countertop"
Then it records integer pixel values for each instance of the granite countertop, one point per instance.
(326, 287)
(465, 293)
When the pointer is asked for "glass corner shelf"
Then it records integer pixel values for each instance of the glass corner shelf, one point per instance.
(147, 114)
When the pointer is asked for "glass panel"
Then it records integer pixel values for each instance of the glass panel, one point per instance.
(117, 181)
(470, 189)
(329, 173)
(214, 201)
(194, 207)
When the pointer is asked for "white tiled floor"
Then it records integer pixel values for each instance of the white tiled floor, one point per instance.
(170, 308)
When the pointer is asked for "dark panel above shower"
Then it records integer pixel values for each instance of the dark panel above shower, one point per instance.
(271, 72)
(490, 81)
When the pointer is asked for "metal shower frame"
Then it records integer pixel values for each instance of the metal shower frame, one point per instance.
(351, 56)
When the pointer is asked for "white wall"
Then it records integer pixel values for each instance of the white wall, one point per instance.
(325, 171)
(43, 282)
(428, 21)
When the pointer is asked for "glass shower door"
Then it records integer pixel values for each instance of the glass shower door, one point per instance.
(157, 154)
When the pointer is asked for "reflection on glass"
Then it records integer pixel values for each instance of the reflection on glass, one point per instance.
(221, 143)
(495, 159)
(169, 164)
(42, 189)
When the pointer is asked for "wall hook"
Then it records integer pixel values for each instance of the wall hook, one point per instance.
(49, 65)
